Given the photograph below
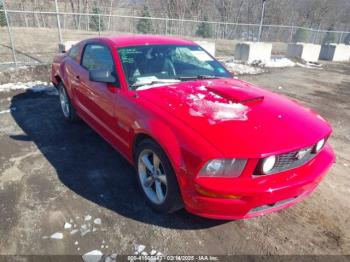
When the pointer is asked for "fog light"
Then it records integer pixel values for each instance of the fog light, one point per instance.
(320, 145)
(268, 164)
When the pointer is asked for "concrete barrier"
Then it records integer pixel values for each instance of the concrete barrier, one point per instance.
(62, 48)
(207, 46)
(305, 51)
(335, 52)
(253, 51)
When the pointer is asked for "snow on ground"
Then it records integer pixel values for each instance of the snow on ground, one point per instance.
(57, 235)
(256, 67)
(310, 65)
(279, 62)
(8, 110)
(37, 87)
(242, 69)
(92, 256)
(142, 250)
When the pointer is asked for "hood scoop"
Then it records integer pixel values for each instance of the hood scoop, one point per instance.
(236, 95)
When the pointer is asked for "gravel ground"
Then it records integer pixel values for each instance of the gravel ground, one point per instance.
(64, 190)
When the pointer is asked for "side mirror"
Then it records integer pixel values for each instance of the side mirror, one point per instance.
(102, 76)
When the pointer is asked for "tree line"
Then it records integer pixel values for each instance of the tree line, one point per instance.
(317, 14)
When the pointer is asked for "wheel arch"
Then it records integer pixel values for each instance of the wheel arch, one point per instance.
(165, 138)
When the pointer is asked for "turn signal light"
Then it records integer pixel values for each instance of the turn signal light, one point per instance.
(204, 192)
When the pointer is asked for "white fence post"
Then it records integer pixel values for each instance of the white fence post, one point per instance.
(58, 23)
(10, 34)
(99, 24)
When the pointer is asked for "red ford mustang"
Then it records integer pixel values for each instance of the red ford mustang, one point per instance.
(200, 139)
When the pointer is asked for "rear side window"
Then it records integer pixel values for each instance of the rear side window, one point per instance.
(74, 52)
(97, 57)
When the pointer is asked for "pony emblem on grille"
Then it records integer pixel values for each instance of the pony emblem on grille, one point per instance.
(301, 153)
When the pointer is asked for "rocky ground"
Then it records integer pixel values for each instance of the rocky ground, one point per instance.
(64, 190)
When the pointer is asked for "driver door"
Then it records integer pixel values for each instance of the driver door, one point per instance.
(97, 100)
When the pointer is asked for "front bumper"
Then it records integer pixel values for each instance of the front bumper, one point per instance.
(259, 195)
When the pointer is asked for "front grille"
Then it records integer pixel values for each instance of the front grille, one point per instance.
(289, 161)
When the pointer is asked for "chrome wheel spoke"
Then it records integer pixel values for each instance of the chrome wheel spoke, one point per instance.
(147, 163)
(149, 181)
(159, 191)
(156, 161)
(162, 179)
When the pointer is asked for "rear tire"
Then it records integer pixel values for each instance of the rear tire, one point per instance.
(156, 178)
(67, 108)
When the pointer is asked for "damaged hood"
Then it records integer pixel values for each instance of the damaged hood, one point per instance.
(239, 119)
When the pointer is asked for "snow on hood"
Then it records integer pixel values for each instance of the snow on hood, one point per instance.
(216, 111)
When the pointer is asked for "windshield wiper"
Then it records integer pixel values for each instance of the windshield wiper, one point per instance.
(153, 82)
(198, 77)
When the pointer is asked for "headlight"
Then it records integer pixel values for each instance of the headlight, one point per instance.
(319, 145)
(223, 168)
(268, 164)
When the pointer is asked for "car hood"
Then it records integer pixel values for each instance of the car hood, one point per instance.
(238, 118)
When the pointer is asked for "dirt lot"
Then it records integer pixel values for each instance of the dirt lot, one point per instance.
(52, 173)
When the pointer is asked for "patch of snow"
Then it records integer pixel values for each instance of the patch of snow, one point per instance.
(310, 65)
(242, 69)
(194, 112)
(84, 230)
(92, 256)
(97, 221)
(74, 231)
(217, 111)
(76, 243)
(139, 248)
(144, 253)
(279, 62)
(195, 97)
(87, 218)
(280, 88)
(37, 87)
(67, 225)
(5, 111)
(202, 88)
(57, 236)
(153, 252)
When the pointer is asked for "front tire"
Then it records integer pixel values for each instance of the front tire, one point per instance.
(67, 108)
(157, 178)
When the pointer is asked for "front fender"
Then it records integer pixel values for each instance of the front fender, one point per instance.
(164, 136)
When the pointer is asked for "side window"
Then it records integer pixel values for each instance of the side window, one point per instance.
(97, 57)
(74, 52)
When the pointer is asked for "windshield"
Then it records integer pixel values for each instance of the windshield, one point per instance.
(156, 64)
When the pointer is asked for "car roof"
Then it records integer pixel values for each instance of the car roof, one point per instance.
(133, 40)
